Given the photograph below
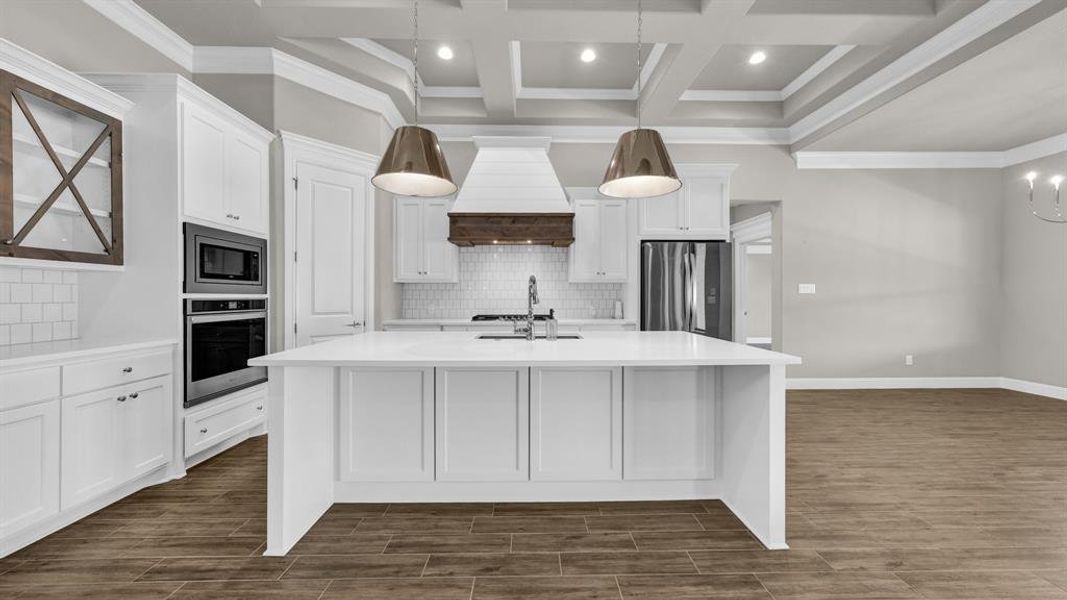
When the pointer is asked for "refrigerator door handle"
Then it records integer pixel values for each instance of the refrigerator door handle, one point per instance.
(687, 287)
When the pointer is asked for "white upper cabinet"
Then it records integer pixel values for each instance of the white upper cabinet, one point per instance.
(700, 210)
(599, 251)
(224, 170)
(422, 252)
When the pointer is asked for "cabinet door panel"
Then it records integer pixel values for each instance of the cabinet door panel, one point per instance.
(246, 179)
(614, 234)
(584, 253)
(387, 425)
(662, 215)
(575, 424)
(407, 237)
(482, 424)
(29, 465)
(708, 207)
(440, 256)
(669, 417)
(90, 443)
(203, 164)
(145, 425)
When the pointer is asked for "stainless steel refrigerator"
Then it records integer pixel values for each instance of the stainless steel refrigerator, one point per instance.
(687, 286)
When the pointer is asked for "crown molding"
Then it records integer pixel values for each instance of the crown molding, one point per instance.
(932, 160)
(1035, 150)
(835, 54)
(336, 152)
(150, 30)
(606, 134)
(27, 65)
(177, 84)
(975, 24)
(270, 61)
(732, 96)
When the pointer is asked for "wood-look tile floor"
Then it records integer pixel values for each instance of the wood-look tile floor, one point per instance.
(892, 494)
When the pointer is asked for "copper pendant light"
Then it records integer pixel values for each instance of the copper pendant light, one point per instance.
(413, 164)
(640, 167)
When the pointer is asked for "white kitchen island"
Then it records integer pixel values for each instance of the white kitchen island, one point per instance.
(447, 417)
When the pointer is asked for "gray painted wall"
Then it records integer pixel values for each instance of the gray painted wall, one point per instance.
(1033, 340)
(904, 261)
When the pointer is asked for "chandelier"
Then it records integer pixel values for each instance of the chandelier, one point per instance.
(1055, 182)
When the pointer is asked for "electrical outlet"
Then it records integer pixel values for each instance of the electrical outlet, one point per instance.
(909, 360)
(806, 288)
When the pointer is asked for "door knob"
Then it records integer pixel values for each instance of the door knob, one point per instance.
(204, 430)
(127, 369)
(354, 324)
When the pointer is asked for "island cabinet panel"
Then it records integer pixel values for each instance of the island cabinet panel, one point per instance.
(669, 423)
(576, 424)
(483, 424)
(387, 424)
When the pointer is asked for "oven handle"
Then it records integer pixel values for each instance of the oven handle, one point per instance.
(233, 316)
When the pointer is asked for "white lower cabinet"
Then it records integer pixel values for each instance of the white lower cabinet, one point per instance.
(112, 436)
(576, 424)
(224, 419)
(29, 465)
(482, 417)
(669, 420)
(387, 424)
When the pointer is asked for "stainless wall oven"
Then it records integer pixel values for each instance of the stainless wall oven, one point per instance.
(222, 262)
(220, 337)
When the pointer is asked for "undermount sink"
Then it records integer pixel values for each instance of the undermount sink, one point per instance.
(519, 336)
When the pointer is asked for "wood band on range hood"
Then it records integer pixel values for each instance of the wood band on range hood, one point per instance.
(487, 229)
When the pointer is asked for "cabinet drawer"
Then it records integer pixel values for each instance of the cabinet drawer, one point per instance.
(22, 388)
(98, 374)
(210, 426)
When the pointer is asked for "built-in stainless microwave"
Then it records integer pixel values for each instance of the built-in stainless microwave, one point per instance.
(222, 262)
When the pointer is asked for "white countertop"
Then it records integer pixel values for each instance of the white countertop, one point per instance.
(457, 349)
(20, 355)
(461, 322)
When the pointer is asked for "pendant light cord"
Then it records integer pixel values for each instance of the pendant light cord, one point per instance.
(640, 22)
(415, 62)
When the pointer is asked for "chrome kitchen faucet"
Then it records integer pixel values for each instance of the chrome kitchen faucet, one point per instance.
(531, 299)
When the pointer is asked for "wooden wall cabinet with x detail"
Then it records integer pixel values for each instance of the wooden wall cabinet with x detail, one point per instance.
(60, 177)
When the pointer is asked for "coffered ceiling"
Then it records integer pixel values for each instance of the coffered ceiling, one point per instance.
(518, 62)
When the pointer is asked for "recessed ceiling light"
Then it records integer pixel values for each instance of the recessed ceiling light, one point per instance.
(588, 55)
(445, 53)
(757, 57)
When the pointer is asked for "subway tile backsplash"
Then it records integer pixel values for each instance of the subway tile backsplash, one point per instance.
(37, 305)
(492, 279)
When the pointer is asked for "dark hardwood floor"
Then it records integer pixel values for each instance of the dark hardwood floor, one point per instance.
(944, 494)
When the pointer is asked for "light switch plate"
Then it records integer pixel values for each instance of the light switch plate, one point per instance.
(806, 288)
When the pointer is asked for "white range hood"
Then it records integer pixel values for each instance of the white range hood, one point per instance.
(511, 196)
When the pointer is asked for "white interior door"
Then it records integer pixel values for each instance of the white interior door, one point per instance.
(331, 212)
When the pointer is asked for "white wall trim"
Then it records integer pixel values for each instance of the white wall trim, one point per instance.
(753, 229)
(608, 134)
(382, 53)
(932, 160)
(898, 160)
(1035, 150)
(732, 96)
(964, 31)
(150, 30)
(27, 65)
(894, 383)
(835, 54)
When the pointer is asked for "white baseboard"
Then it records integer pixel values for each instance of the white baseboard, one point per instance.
(900, 383)
(1031, 387)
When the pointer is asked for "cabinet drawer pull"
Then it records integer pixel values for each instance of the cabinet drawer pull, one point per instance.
(127, 369)
(121, 398)
(260, 407)
(134, 395)
(203, 430)
(237, 217)
(230, 216)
